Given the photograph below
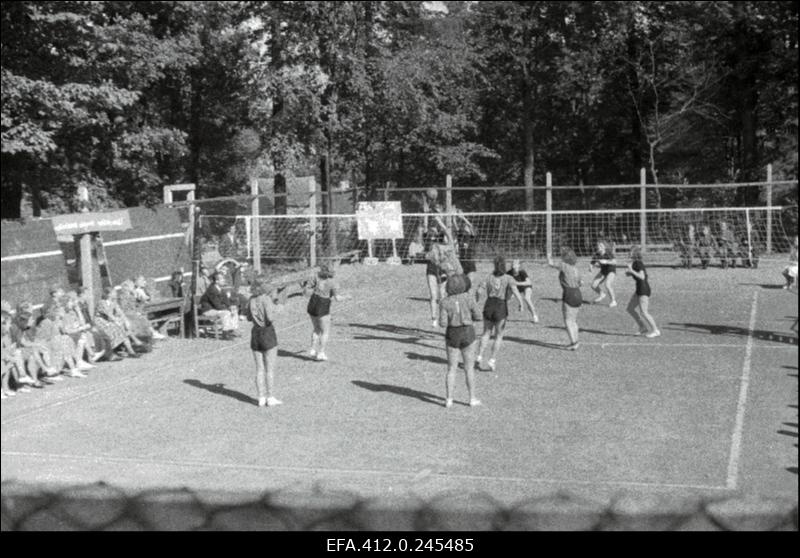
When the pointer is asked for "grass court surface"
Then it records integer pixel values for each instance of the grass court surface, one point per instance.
(709, 408)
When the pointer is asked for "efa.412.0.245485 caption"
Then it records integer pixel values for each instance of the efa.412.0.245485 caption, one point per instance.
(399, 544)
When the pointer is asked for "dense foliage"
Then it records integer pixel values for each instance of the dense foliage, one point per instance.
(125, 97)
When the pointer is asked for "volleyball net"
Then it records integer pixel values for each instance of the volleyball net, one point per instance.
(665, 235)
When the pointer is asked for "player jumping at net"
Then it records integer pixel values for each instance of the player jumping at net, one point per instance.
(641, 297)
(495, 311)
(524, 286)
(261, 308)
(571, 298)
(442, 263)
(322, 288)
(458, 312)
(605, 260)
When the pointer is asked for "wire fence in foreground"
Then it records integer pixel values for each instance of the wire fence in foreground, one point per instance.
(101, 507)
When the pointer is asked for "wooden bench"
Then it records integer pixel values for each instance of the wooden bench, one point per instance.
(167, 312)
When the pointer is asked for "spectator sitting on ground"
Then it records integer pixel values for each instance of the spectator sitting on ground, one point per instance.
(216, 303)
(111, 320)
(135, 312)
(82, 333)
(35, 354)
(50, 332)
(13, 366)
(56, 299)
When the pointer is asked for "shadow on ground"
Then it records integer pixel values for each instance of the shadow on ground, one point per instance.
(398, 390)
(761, 334)
(220, 389)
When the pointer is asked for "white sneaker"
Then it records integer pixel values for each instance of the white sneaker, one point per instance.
(613, 304)
(158, 336)
(83, 365)
(262, 401)
(75, 373)
(312, 352)
(535, 319)
(653, 334)
(492, 364)
(322, 356)
(55, 378)
(435, 323)
(475, 402)
(273, 401)
(448, 403)
(600, 298)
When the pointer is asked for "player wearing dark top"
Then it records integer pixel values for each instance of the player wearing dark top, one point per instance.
(604, 259)
(322, 288)
(524, 286)
(571, 300)
(495, 310)
(641, 297)
(263, 342)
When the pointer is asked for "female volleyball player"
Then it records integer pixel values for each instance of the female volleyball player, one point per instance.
(525, 286)
(641, 297)
(322, 288)
(495, 310)
(604, 259)
(458, 312)
(261, 308)
(571, 298)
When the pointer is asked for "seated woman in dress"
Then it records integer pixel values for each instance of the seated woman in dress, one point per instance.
(115, 326)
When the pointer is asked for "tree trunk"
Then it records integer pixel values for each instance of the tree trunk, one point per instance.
(527, 141)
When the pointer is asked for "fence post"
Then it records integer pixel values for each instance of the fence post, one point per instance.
(448, 201)
(312, 221)
(255, 226)
(769, 209)
(643, 209)
(549, 213)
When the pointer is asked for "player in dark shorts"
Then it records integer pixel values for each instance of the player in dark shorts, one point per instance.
(604, 259)
(458, 312)
(641, 298)
(495, 310)
(261, 308)
(322, 288)
(524, 286)
(571, 298)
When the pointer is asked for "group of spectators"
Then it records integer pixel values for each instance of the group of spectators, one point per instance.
(64, 339)
(726, 246)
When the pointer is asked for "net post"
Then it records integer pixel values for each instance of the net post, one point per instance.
(643, 209)
(549, 213)
(769, 209)
(749, 235)
(256, 231)
(312, 218)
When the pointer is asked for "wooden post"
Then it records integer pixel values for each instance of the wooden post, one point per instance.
(312, 221)
(448, 202)
(255, 226)
(87, 279)
(549, 213)
(643, 209)
(769, 209)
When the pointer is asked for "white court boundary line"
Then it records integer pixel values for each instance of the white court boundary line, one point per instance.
(329, 470)
(736, 437)
(146, 373)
